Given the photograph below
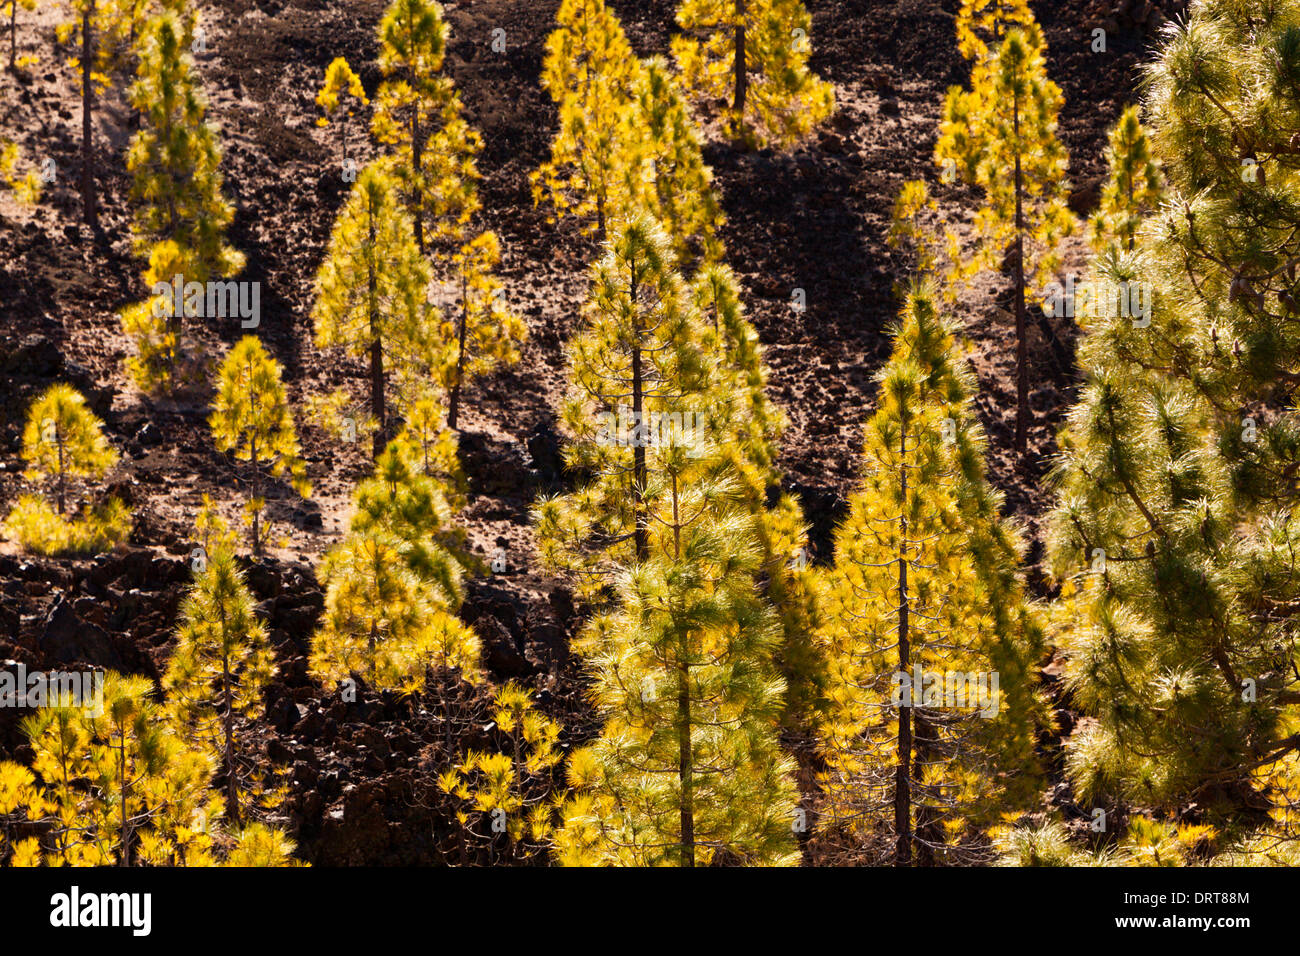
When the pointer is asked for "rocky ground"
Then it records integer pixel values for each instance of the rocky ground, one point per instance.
(814, 218)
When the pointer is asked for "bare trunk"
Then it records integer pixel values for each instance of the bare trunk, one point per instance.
(903, 766)
(453, 403)
(376, 349)
(417, 154)
(1023, 412)
(639, 478)
(63, 478)
(227, 693)
(739, 65)
(88, 212)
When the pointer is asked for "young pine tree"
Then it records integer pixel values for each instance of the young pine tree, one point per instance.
(116, 787)
(590, 72)
(63, 443)
(418, 114)
(485, 332)
(174, 159)
(216, 676)
(754, 54)
(502, 796)
(1002, 136)
(925, 591)
(383, 621)
(394, 583)
(687, 768)
(63, 439)
(1175, 526)
(251, 418)
(1133, 189)
(370, 295)
(341, 84)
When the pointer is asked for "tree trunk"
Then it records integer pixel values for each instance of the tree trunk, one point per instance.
(686, 764)
(125, 858)
(903, 766)
(13, 29)
(63, 478)
(417, 154)
(639, 478)
(232, 790)
(1023, 412)
(739, 66)
(453, 403)
(376, 349)
(88, 212)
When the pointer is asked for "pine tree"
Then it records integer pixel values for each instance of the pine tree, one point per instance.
(251, 418)
(63, 442)
(1174, 531)
(754, 53)
(590, 72)
(217, 673)
(1133, 189)
(394, 583)
(370, 295)
(485, 332)
(687, 768)
(673, 181)
(175, 156)
(502, 796)
(116, 788)
(1001, 135)
(640, 361)
(382, 621)
(63, 439)
(418, 509)
(419, 113)
(110, 784)
(341, 83)
(434, 447)
(926, 585)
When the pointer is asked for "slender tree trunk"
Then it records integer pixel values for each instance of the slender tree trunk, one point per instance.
(63, 478)
(227, 693)
(453, 403)
(685, 755)
(739, 66)
(685, 764)
(639, 477)
(903, 766)
(1023, 412)
(417, 154)
(125, 858)
(256, 487)
(88, 212)
(13, 29)
(376, 348)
